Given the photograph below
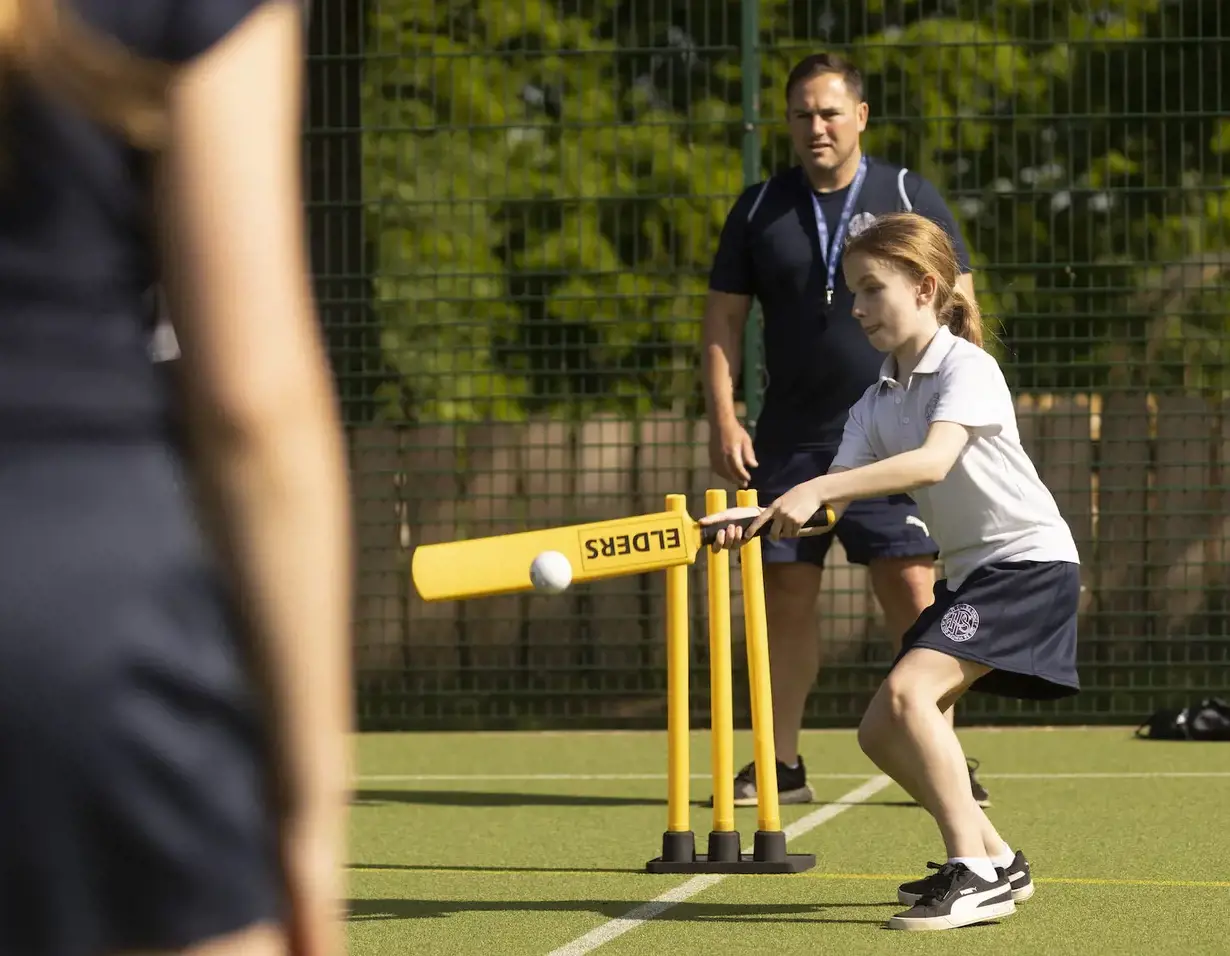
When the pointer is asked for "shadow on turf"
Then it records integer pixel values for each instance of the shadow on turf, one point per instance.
(486, 798)
(910, 804)
(429, 868)
(361, 910)
(489, 798)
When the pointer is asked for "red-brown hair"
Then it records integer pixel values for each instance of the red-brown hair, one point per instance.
(919, 247)
(82, 67)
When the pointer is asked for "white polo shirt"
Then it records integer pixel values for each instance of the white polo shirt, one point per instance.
(992, 506)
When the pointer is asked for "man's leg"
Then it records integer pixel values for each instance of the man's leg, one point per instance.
(793, 568)
(791, 591)
(905, 588)
(792, 576)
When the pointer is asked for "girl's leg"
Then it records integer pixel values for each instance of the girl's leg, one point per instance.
(904, 733)
(995, 847)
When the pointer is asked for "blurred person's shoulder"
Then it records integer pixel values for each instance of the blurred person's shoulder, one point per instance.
(170, 31)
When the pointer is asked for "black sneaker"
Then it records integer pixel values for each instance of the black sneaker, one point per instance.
(958, 897)
(792, 785)
(978, 790)
(1018, 878)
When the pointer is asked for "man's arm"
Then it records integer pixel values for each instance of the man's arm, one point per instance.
(965, 282)
(731, 288)
(929, 203)
(725, 320)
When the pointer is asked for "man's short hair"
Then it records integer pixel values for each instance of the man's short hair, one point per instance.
(820, 63)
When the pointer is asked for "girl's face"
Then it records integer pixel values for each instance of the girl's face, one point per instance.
(892, 308)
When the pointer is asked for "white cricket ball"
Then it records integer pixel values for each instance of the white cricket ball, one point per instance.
(551, 572)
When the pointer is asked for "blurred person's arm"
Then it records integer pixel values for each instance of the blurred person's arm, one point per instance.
(264, 425)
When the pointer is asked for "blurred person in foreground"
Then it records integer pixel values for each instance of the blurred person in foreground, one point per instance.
(175, 674)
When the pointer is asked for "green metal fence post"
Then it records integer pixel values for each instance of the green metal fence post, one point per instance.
(752, 339)
(336, 228)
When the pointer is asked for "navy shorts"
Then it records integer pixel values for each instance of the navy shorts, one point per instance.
(869, 529)
(137, 812)
(1018, 618)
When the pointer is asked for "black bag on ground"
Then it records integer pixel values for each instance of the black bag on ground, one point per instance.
(1207, 720)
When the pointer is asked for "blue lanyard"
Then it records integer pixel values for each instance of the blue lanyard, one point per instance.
(831, 256)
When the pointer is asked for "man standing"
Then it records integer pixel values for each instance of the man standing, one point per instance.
(781, 245)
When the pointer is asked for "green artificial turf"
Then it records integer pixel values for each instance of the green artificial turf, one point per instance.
(521, 843)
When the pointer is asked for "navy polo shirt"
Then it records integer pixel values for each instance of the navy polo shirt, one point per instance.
(818, 361)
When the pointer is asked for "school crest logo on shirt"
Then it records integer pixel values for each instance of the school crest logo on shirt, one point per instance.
(860, 222)
(932, 404)
(960, 622)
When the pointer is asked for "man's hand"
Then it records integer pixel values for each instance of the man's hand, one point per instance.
(730, 452)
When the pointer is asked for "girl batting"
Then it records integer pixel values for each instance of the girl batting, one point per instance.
(940, 426)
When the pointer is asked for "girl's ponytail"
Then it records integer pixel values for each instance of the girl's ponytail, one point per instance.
(963, 317)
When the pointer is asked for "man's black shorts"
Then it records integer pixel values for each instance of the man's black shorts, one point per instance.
(870, 529)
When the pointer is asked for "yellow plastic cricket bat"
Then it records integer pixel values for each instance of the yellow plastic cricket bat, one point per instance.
(500, 564)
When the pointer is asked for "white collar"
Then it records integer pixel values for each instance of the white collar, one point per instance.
(929, 362)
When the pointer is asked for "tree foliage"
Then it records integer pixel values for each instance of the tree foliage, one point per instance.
(545, 184)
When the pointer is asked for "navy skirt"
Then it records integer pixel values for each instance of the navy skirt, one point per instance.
(1018, 618)
(135, 809)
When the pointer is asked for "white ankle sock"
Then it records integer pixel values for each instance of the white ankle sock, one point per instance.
(1004, 860)
(978, 864)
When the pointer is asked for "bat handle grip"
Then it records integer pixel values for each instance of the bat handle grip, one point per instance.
(824, 518)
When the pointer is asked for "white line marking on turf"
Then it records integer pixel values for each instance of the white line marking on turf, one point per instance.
(545, 777)
(685, 891)
(1112, 775)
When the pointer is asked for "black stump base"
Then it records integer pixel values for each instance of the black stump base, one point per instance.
(768, 854)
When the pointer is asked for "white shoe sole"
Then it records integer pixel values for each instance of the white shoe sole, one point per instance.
(785, 798)
(1018, 896)
(980, 915)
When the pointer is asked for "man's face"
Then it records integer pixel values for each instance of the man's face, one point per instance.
(825, 121)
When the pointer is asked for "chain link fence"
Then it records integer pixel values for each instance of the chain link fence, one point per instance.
(514, 205)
